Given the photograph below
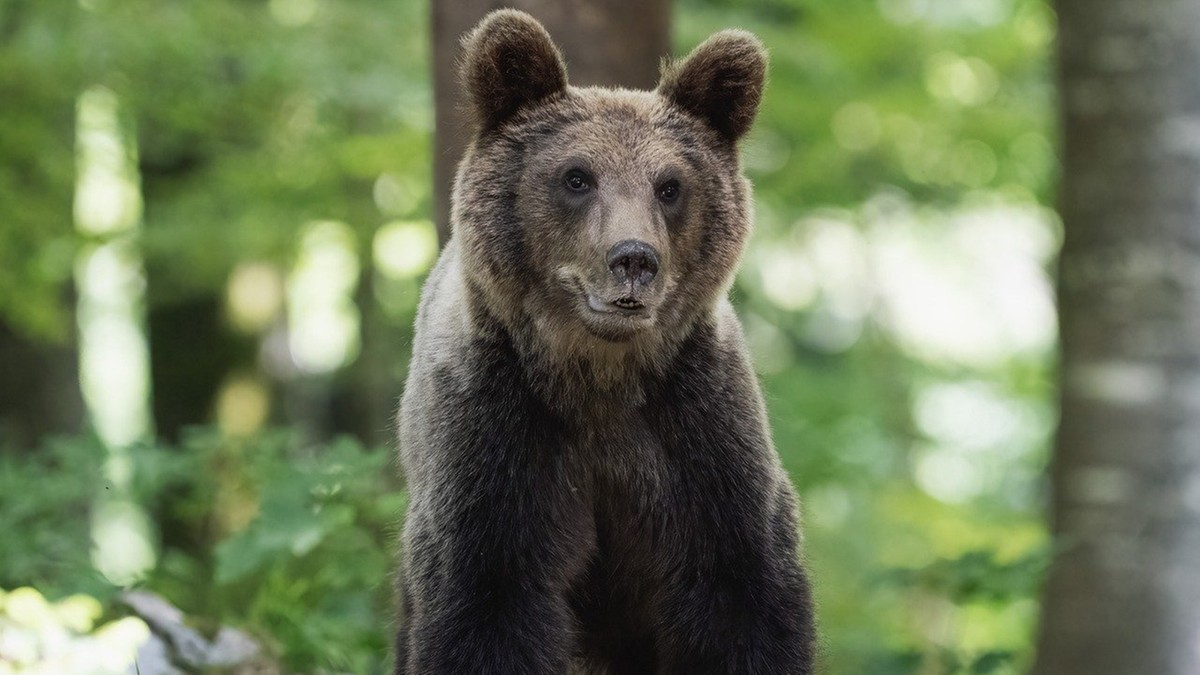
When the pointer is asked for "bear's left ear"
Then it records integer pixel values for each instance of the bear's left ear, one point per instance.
(721, 81)
(509, 61)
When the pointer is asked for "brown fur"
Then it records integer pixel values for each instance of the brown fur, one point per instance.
(590, 487)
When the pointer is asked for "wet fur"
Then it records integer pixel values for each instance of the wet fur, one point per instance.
(583, 502)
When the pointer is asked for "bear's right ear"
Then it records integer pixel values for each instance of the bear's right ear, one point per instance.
(509, 62)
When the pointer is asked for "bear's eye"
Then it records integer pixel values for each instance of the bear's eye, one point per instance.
(668, 192)
(577, 181)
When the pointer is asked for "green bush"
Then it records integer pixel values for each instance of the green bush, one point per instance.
(46, 499)
(291, 542)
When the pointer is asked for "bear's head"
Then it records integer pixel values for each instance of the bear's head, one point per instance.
(602, 216)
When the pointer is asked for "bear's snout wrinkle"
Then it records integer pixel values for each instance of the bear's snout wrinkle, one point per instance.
(633, 262)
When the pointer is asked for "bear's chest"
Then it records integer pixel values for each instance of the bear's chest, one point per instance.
(625, 482)
(620, 456)
(625, 488)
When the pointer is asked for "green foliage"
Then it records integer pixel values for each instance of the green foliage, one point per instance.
(249, 118)
(39, 80)
(299, 547)
(936, 98)
(294, 543)
(977, 576)
(45, 510)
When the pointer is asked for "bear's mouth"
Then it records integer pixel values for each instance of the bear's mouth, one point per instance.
(615, 314)
(626, 305)
(615, 321)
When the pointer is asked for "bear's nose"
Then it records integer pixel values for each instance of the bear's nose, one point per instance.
(633, 260)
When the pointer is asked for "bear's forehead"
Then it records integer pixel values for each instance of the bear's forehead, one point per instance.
(613, 114)
(615, 126)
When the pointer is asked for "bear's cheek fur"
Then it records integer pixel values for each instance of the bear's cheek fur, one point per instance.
(550, 236)
(706, 241)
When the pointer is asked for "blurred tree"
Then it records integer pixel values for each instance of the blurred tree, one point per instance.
(1123, 596)
(39, 389)
(255, 123)
(615, 43)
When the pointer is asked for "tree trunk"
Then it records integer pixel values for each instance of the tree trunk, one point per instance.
(192, 352)
(1123, 596)
(39, 390)
(610, 43)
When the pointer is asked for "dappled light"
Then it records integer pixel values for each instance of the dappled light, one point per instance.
(44, 637)
(404, 250)
(323, 321)
(254, 296)
(243, 406)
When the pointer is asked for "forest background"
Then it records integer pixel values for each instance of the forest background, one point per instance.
(215, 219)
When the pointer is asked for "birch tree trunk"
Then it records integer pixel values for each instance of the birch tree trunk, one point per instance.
(1123, 596)
(605, 42)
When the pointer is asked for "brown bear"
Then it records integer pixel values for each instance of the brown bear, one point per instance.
(592, 484)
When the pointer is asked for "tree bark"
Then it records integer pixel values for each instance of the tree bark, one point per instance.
(1123, 596)
(39, 390)
(608, 43)
(192, 351)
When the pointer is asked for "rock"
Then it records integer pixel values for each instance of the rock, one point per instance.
(175, 645)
